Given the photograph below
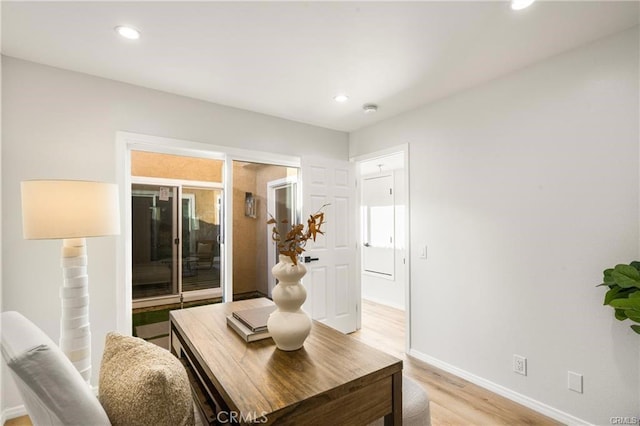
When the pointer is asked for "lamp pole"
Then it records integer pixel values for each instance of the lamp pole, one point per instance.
(75, 331)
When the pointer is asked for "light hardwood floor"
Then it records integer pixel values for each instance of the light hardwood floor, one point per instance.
(18, 421)
(454, 401)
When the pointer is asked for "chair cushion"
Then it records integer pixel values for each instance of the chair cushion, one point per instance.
(143, 384)
(52, 389)
(65, 398)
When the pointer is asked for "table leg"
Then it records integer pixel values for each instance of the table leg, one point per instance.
(395, 417)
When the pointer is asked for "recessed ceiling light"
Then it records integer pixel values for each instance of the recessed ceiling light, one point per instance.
(128, 32)
(521, 4)
(341, 98)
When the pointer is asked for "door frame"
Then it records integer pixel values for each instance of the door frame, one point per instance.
(127, 142)
(271, 246)
(404, 149)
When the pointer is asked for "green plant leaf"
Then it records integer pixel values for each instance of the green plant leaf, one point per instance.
(633, 315)
(626, 276)
(636, 328)
(634, 302)
(608, 277)
(620, 293)
(626, 303)
(635, 264)
(620, 303)
(611, 295)
(620, 315)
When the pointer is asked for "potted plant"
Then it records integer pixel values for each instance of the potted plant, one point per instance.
(624, 292)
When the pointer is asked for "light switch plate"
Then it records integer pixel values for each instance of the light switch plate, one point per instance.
(575, 381)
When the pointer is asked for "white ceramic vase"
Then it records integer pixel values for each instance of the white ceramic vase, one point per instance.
(288, 324)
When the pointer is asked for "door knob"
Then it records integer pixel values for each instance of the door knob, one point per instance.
(308, 259)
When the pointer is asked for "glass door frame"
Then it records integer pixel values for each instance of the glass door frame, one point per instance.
(127, 142)
(149, 193)
(191, 295)
(296, 216)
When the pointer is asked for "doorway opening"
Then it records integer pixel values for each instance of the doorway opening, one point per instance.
(259, 192)
(384, 254)
(198, 166)
(176, 240)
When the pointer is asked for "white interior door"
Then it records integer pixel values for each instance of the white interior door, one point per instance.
(331, 279)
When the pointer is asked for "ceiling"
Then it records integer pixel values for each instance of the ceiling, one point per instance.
(288, 59)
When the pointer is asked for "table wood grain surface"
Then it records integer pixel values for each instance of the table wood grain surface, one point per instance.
(332, 375)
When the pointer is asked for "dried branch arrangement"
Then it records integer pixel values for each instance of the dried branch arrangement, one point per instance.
(296, 239)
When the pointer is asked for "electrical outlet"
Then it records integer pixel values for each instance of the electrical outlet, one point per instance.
(519, 364)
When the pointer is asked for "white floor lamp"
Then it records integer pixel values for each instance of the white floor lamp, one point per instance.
(71, 210)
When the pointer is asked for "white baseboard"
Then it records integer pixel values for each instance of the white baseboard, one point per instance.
(535, 405)
(384, 302)
(12, 413)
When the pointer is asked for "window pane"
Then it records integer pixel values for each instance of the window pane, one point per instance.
(200, 238)
(153, 258)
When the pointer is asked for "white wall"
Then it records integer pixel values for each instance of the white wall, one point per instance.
(2, 372)
(384, 290)
(525, 189)
(60, 124)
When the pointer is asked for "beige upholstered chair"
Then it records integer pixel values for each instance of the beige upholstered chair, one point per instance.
(53, 391)
(140, 383)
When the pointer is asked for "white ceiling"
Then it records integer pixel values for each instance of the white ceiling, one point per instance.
(288, 59)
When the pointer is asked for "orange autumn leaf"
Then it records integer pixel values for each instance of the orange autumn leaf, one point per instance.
(296, 239)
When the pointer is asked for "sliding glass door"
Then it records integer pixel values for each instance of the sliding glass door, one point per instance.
(201, 238)
(153, 260)
(176, 242)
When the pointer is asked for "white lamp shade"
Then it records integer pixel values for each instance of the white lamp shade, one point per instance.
(54, 209)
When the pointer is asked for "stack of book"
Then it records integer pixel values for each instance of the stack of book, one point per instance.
(251, 324)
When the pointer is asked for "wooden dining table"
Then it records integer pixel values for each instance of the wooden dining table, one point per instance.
(333, 379)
